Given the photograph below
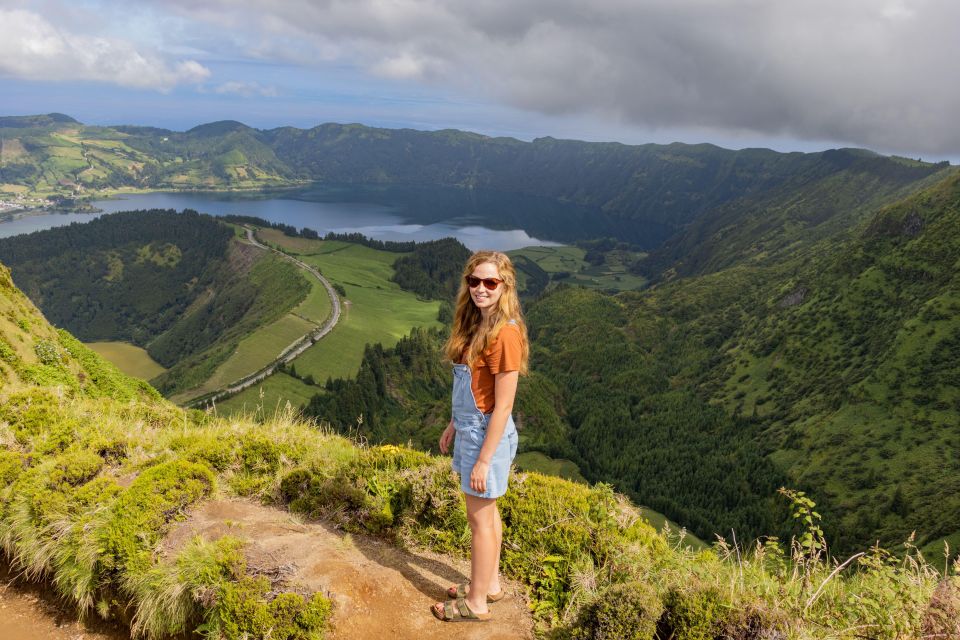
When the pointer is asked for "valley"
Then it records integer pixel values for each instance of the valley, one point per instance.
(709, 299)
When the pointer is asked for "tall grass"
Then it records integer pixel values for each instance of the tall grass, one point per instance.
(91, 486)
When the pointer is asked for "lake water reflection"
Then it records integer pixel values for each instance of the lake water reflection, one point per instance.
(375, 212)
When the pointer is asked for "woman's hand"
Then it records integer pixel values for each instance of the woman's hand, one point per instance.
(478, 477)
(446, 438)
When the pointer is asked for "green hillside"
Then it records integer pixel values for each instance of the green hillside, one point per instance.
(96, 469)
(823, 203)
(828, 368)
(179, 285)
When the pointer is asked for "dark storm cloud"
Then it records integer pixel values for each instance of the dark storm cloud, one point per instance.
(876, 73)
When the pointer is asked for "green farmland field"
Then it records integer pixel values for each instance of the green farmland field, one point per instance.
(266, 343)
(375, 310)
(130, 359)
(258, 350)
(557, 261)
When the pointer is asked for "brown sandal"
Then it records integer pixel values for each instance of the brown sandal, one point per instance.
(458, 611)
(460, 591)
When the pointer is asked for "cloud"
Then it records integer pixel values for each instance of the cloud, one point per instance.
(246, 89)
(878, 73)
(32, 47)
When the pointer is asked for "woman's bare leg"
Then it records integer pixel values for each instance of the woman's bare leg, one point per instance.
(487, 535)
(498, 532)
(484, 549)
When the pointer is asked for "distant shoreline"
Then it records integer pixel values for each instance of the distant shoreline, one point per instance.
(9, 215)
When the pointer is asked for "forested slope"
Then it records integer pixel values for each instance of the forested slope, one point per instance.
(832, 362)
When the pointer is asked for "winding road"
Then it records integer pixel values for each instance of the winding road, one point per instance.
(287, 355)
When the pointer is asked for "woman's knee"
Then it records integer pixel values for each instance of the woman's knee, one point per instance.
(481, 512)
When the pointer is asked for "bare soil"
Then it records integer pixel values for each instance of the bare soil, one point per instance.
(377, 589)
(30, 611)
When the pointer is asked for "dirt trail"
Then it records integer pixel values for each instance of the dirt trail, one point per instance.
(377, 589)
(31, 612)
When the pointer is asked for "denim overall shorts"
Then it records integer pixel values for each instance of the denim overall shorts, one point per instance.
(471, 429)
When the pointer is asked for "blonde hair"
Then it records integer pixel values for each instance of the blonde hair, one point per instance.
(470, 335)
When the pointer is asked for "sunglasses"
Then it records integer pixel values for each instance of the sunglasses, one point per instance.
(490, 283)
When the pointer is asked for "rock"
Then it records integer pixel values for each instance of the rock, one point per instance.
(793, 298)
(912, 225)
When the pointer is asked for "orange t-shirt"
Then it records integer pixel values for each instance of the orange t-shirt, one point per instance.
(503, 355)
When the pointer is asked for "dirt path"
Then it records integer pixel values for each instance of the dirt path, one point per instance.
(30, 612)
(378, 590)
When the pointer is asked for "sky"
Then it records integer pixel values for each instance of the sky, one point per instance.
(792, 75)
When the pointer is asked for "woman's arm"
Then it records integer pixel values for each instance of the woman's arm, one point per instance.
(446, 438)
(505, 391)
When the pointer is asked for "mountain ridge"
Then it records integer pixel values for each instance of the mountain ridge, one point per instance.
(641, 193)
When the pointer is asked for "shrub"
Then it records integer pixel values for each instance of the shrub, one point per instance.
(215, 449)
(48, 353)
(7, 354)
(244, 610)
(626, 611)
(755, 623)
(259, 455)
(138, 517)
(173, 597)
(74, 468)
(693, 613)
(552, 523)
(11, 466)
(369, 492)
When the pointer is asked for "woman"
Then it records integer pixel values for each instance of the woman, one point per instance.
(488, 343)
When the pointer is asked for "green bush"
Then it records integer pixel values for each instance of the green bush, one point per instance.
(48, 353)
(694, 612)
(553, 523)
(626, 611)
(370, 493)
(138, 517)
(30, 412)
(7, 354)
(39, 421)
(11, 466)
(244, 610)
(75, 468)
(174, 597)
(215, 449)
(259, 455)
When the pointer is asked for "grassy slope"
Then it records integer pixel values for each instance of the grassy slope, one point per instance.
(375, 310)
(263, 345)
(94, 473)
(59, 157)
